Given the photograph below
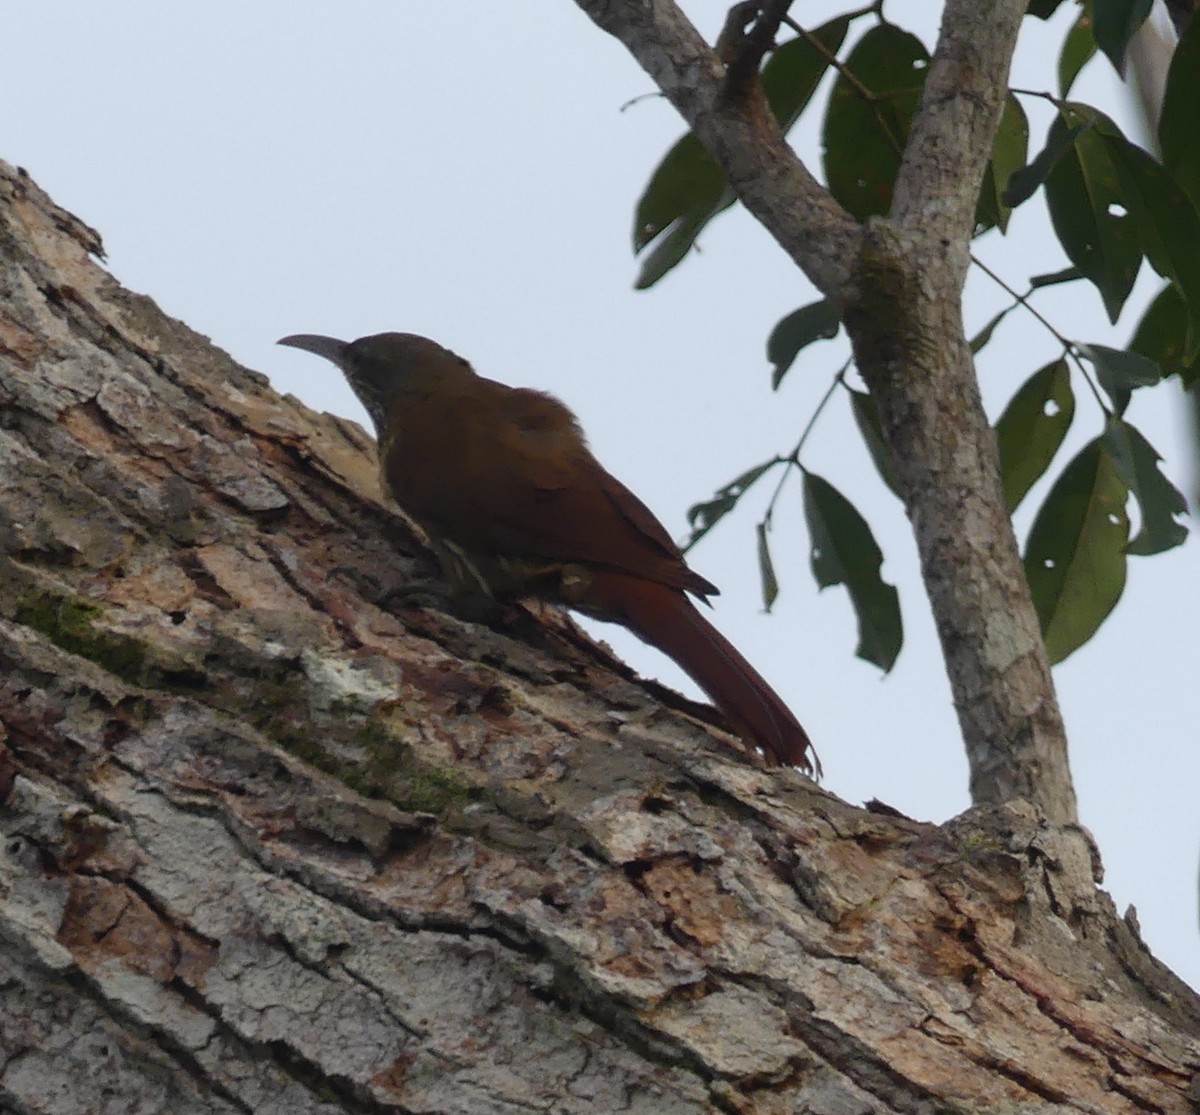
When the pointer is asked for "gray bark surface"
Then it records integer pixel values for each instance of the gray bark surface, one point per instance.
(268, 847)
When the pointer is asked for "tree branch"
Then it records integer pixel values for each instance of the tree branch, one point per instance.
(899, 284)
(742, 50)
(772, 182)
(922, 375)
(952, 133)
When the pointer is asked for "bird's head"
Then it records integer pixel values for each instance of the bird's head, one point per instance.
(383, 366)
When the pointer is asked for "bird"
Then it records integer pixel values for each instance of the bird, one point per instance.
(515, 505)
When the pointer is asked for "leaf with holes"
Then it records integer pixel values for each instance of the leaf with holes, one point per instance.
(1158, 499)
(1032, 428)
(1075, 556)
(815, 322)
(702, 517)
(1088, 209)
(868, 116)
(844, 552)
(1165, 219)
(687, 190)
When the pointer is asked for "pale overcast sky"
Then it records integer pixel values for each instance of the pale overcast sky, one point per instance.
(467, 172)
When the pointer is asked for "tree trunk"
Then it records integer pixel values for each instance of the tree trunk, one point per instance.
(270, 847)
(897, 282)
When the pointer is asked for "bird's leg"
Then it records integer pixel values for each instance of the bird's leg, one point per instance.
(462, 590)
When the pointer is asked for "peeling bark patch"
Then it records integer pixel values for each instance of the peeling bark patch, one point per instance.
(698, 909)
(107, 921)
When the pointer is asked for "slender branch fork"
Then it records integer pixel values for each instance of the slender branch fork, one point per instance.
(898, 281)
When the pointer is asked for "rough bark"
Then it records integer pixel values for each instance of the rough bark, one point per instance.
(899, 283)
(268, 847)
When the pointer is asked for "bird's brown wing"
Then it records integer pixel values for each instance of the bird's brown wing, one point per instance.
(525, 485)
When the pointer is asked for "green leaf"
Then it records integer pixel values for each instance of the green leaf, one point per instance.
(1052, 278)
(688, 188)
(686, 184)
(862, 137)
(683, 195)
(844, 552)
(1022, 185)
(985, 334)
(1009, 152)
(1032, 428)
(766, 568)
(866, 418)
(1161, 336)
(1116, 22)
(1165, 220)
(702, 517)
(1075, 556)
(673, 246)
(1043, 9)
(794, 70)
(1177, 124)
(1078, 49)
(1158, 499)
(1087, 206)
(817, 321)
(1120, 371)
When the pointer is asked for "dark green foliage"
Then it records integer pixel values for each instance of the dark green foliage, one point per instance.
(1032, 428)
(1177, 127)
(1009, 153)
(814, 322)
(866, 418)
(1079, 48)
(1112, 204)
(1158, 499)
(866, 124)
(844, 552)
(1090, 216)
(702, 517)
(766, 567)
(1119, 372)
(1114, 23)
(688, 189)
(1161, 336)
(1075, 557)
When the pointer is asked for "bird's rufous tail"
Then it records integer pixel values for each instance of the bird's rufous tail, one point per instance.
(667, 619)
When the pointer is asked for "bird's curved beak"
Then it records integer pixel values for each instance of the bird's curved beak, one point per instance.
(329, 347)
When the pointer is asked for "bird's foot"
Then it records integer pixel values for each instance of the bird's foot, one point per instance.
(432, 593)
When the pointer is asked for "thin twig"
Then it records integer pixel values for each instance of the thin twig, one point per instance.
(1067, 344)
(792, 460)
